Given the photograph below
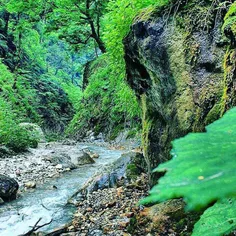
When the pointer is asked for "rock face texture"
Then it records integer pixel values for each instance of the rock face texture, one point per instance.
(181, 74)
(8, 188)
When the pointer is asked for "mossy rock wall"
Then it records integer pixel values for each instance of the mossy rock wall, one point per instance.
(178, 74)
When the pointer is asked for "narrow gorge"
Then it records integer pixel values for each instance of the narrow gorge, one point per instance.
(117, 117)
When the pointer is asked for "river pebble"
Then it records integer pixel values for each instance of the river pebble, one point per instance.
(110, 211)
(34, 166)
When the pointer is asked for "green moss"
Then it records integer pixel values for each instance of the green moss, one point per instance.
(230, 19)
(116, 131)
(132, 133)
(182, 79)
(146, 126)
(132, 225)
(214, 114)
(229, 67)
(146, 13)
(132, 171)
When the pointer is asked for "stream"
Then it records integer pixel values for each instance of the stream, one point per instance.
(49, 203)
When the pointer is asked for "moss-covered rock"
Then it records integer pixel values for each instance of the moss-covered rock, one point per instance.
(167, 218)
(229, 26)
(177, 72)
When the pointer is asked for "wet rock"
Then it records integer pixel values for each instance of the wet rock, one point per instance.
(30, 184)
(104, 181)
(61, 160)
(69, 142)
(167, 218)
(1, 201)
(179, 81)
(83, 158)
(8, 188)
(59, 166)
(91, 153)
(95, 155)
(117, 172)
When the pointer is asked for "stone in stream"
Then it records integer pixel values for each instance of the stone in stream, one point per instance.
(61, 160)
(82, 158)
(59, 166)
(8, 188)
(30, 184)
(91, 153)
(1, 201)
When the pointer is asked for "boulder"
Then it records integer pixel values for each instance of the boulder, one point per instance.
(117, 173)
(83, 158)
(8, 188)
(61, 160)
(1, 201)
(69, 142)
(107, 180)
(91, 153)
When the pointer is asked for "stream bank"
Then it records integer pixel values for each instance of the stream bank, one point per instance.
(116, 211)
(48, 161)
(49, 200)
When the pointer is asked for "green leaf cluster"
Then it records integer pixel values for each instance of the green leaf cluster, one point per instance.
(106, 103)
(202, 171)
(230, 20)
(12, 134)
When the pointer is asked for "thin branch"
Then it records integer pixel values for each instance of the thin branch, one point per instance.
(36, 227)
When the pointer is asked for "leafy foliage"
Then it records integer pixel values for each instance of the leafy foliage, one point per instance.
(27, 79)
(230, 21)
(217, 220)
(107, 98)
(202, 171)
(11, 133)
(118, 20)
(105, 105)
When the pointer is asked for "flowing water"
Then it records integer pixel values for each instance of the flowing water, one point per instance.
(49, 203)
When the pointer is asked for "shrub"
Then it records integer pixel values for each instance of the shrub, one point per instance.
(12, 134)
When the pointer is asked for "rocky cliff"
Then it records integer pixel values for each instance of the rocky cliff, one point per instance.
(181, 66)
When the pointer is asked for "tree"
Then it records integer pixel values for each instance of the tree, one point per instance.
(79, 22)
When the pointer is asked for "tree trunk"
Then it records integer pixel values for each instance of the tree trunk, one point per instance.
(98, 40)
(6, 19)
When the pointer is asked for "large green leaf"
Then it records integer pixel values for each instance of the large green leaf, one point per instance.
(217, 220)
(203, 166)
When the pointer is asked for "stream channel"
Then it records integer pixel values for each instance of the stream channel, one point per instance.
(47, 203)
